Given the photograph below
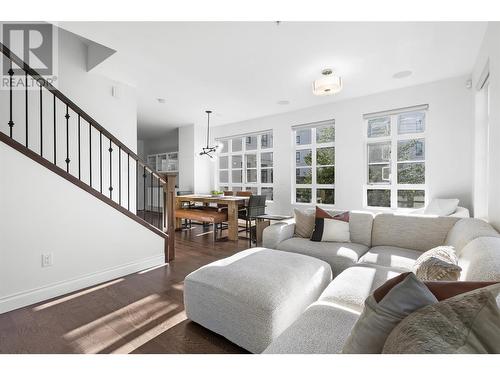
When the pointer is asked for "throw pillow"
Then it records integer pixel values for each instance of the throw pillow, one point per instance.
(304, 223)
(334, 229)
(466, 323)
(439, 263)
(379, 318)
(441, 207)
(322, 214)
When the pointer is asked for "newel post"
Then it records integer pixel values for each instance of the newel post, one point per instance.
(169, 215)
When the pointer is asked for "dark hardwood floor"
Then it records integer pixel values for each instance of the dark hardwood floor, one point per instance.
(139, 313)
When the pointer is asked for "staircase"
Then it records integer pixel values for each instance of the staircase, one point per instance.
(54, 132)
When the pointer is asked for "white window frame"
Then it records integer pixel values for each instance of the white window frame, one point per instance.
(258, 152)
(313, 146)
(393, 138)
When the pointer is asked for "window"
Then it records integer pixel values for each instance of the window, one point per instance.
(314, 165)
(246, 164)
(396, 159)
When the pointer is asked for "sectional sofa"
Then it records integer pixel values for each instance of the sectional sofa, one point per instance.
(306, 297)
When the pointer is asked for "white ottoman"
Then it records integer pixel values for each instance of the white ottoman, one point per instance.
(253, 296)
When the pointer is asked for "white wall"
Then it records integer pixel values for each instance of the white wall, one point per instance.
(168, 142)
(186, 158)
(489, 55)
(90, 241)
(449, 141)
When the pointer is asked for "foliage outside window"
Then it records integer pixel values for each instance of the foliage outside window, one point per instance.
(246, 164)
(396, 160)
(314, 165)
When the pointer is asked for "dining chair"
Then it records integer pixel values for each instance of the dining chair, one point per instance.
(256, 206)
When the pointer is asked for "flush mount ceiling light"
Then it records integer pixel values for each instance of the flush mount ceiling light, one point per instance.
(209, 150)
(161, 100)
(402, 74)
(329, 84)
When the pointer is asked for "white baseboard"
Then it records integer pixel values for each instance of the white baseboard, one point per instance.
(29, 297)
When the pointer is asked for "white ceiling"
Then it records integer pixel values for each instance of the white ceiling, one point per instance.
(242, 69)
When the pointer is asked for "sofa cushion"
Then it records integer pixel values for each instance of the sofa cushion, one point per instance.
(254, 295)
(360, 225)
(465, 230)
(411, 232)
(480, 260)
(321, 329)
(338, 254)
(441, 207)
(351, 288)
(391, 256)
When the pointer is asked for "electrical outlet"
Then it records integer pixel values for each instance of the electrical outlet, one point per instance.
(46, 259)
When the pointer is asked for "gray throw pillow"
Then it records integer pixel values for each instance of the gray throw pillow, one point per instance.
(304, 223)
(378, 319)
(466, 323)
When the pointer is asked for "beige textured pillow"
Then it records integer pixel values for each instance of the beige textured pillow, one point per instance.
(438, 264)
(304, 223)
(378, 319)
(466, 323)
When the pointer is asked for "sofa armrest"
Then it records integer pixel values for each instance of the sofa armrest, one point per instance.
(276, 233)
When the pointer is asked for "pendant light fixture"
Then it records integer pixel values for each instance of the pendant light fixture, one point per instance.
(329, 84)
(209, 150)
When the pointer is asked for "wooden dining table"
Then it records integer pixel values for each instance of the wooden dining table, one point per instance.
(232, 203)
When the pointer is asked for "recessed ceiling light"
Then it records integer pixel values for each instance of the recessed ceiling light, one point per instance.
(283, 102)
(161, 100)
(402, 74)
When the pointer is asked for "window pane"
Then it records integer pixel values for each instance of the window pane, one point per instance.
(325, 196)
(303, 175)
(325, 134)
(236, 188)
(266, 176)
(412, 149)
(303, 137)
(252, 189)
(379, 127)
(223, 162)
(251, 160)
(223, 176)
(303, 195)
(379, 174)
(411, 198)
(266, 140)
(268, 192)
(266, 159)
(325, 156)
(225, 147)
(251, 142)
(412, 122)
(251, 175)
(237, 176)
(237, 161)
(379, 198)
(379, 152)
(411, 173)
(224, 188)
(325, 175)
(303, 158)
(236, 144)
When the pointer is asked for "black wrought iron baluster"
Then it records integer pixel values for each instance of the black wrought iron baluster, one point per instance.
(26, 101)
(90, 154)
(128, 181)
(67, 139)
(100, 161)
(110, 149)
(144, 194)
(55, 132)
(137, 188)
(41, 120)
(151, 200)
(120, 175)
(79, 151)
(159, 203)
(11, 123)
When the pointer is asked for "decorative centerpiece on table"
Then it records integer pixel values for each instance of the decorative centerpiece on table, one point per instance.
(217, 193)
